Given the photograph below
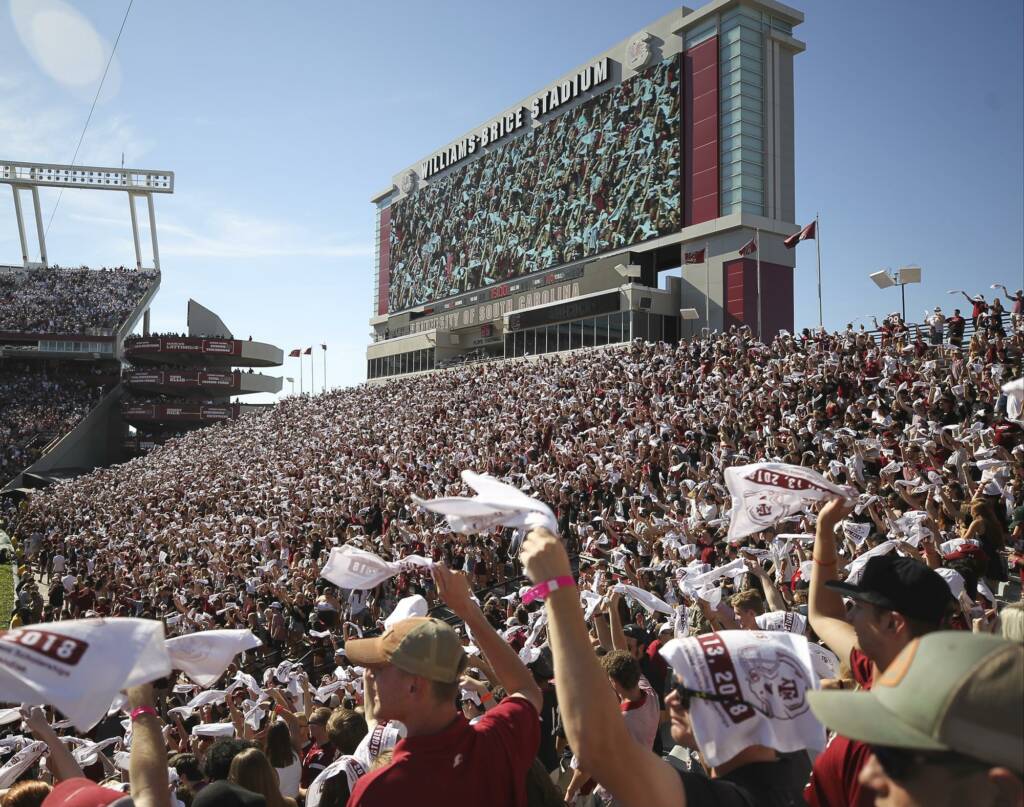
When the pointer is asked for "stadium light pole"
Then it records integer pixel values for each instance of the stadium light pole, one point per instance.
(885, 279)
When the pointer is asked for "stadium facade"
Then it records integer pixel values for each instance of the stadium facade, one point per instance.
(546, 227)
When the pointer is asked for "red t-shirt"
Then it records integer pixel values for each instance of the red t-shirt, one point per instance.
(833, 781)
(484, 764)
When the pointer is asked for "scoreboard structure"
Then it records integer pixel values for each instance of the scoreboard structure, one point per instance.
(548, 227)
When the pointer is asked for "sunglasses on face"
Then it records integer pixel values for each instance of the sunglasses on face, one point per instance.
(687, 695)
(901, 764)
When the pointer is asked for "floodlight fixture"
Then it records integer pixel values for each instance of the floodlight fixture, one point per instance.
(882, 279)
(630, 270)
(909, 274)
(689, 313)
(885, 279)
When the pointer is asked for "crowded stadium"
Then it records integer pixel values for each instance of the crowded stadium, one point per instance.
(627, 531)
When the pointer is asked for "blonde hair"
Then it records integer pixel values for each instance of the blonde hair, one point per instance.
(1012, 619)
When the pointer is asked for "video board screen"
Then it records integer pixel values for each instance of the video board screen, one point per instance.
(604, 175)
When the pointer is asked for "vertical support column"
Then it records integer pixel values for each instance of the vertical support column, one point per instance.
(145, 323)
(152, 231)
(21, 226)
(39, 226)
(135, 231)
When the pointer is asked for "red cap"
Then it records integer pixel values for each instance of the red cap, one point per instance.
(80, 792)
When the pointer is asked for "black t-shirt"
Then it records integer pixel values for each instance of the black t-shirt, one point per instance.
(759, 784)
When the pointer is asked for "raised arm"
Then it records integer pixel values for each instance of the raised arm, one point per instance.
(590, 713)
(825, 609)
(509, 670)
(771, 591)
(62, 763)
(147, 766)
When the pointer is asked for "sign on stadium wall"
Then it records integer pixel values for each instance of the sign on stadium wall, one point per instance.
(184, 412)
(186, 378)
(489, 312)
(226, 347)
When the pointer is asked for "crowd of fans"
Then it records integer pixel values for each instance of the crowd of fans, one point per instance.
(62, 300)
(601, 178)
(35, 407)
(667, 663)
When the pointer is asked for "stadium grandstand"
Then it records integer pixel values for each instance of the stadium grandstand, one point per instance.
(701, 519)
(179, 382)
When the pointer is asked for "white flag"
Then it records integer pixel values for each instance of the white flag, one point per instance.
(496, 504)
(855, 531)
(645, 598)
(759, 683)
(856, 568)
(349, 567)
(350, 766)
(20, 763)
(788, 621)
(406, 607)
(766, 492)
(80, 665)
(204, 656)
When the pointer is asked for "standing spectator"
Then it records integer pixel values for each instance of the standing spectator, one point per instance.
(897, 600)
(936, 326)
(956, 325)
(414, 669)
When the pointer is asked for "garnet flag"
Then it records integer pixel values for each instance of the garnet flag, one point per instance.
(295, 353)
(694, 257)
(308, 351)
(750, 247)
(807, 232)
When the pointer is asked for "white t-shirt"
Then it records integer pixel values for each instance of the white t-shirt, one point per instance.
(288, 778)
(58, 564)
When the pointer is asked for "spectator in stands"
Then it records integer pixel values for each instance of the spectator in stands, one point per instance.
(70, 301)
(943, 726)
(414, 669)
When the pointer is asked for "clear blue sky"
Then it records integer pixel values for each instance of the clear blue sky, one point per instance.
(281, 120)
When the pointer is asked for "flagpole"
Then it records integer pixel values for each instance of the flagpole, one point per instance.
(707, 285)
(301, 389)
(817, 243)
(757, 248)
(312, 373)
(324, 347)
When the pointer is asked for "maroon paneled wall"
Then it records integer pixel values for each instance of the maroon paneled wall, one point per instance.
(740, 283)
(700, 133)
(384, 278)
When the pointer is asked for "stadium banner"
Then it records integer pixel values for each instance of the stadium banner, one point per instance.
(523, 206)
(226, 380)
(145, 346)
(146, 377)
(228, 347)
(182, 345)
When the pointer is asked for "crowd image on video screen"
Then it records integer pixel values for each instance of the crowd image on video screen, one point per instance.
(602, 176)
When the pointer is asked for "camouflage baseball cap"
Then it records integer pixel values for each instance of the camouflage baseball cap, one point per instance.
(947, 691)
(418, 645)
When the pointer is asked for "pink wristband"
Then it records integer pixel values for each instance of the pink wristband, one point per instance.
(541, 590)
(142, 710)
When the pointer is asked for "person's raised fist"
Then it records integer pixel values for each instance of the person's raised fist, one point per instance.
(544, 557)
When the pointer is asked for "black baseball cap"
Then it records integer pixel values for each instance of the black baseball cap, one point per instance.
(900, 584)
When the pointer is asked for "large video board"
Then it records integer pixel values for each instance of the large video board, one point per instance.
(604, 175)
